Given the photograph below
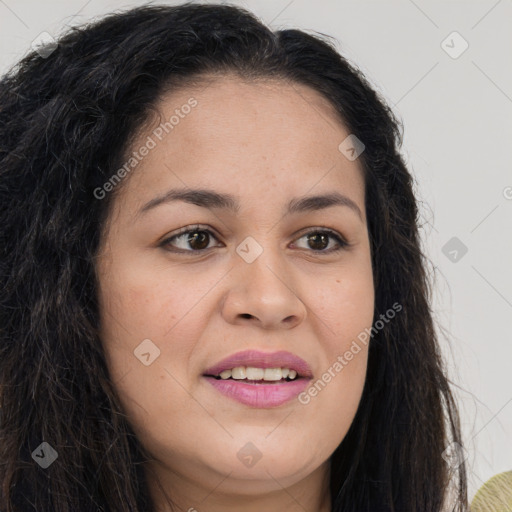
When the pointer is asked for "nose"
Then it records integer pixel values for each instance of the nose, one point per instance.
(262, 294)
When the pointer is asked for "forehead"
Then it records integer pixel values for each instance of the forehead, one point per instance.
(248, 137)
(257, 113)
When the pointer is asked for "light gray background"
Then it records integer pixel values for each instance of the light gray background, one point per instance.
(458, 132)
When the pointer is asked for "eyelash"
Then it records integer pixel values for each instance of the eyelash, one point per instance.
(342, 244)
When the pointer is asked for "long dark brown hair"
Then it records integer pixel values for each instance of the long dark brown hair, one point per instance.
(67, 117)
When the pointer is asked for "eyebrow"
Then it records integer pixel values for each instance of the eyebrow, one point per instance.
(210, 199)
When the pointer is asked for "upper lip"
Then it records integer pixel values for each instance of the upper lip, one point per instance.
(257, 359)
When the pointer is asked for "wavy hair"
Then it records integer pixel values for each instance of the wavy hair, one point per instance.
(66, 121)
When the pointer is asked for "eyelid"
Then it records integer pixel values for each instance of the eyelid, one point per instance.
(184, 230)
(321, 229)
(190, 227)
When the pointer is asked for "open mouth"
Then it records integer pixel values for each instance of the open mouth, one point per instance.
(253, 375)
(250, 385)
(245, 377)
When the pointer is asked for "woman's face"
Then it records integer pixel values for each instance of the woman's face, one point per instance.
(251, 263)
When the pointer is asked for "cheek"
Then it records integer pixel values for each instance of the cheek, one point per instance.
(334, 394)
(138, 305)
(344, 309)
(152, 301)
(343, 303)
(167, 312)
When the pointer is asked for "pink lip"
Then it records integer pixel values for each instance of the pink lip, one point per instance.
(261, 394)
(281, 359)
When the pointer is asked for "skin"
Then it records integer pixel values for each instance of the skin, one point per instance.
(265, 143)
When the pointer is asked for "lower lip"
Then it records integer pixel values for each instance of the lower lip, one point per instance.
(258, 395)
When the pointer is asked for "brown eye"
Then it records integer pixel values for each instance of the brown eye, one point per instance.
(198, 240)
(321, 241)
(318, 241)
(191, 240)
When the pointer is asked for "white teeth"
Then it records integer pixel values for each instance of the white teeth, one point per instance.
(272, 374)
(252, 373)
(238, 372)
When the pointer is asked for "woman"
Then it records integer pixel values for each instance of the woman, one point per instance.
(214, 296)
